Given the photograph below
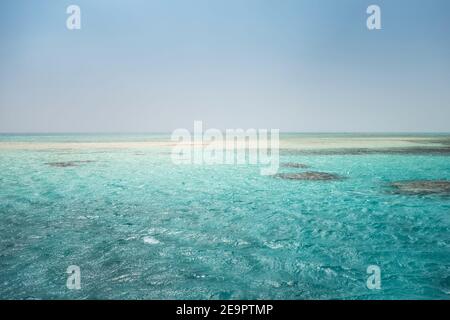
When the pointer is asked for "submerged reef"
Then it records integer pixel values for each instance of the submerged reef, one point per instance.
(64, 164)
(421, 187)
(310, 175)
(294, 165)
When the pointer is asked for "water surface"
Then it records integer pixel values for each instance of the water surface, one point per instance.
(141, 227)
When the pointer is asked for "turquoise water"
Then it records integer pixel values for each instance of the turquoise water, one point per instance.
(140, 227)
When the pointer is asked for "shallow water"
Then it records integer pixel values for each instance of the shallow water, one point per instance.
(141, 227)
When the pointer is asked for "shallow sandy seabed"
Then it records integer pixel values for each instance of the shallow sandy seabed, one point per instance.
(300, 143)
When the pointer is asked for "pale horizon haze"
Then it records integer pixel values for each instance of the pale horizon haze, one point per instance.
(154, 66)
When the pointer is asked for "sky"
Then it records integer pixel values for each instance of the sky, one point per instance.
(158, 65)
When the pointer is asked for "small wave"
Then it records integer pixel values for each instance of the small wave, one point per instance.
(151, 240)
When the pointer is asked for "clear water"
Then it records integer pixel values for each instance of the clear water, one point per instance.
(140, 227)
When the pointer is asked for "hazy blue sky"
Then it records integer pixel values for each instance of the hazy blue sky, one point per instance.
(159, 65)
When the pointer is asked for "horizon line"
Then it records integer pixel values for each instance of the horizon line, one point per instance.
(170, 132)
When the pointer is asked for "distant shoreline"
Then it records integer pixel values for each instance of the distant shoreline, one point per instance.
(304, 142)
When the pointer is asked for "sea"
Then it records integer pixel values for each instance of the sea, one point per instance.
(139, 226)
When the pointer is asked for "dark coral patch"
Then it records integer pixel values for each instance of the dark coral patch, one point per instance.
(294, 165)
(65, 164)
(421, 187)
(311, 175)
